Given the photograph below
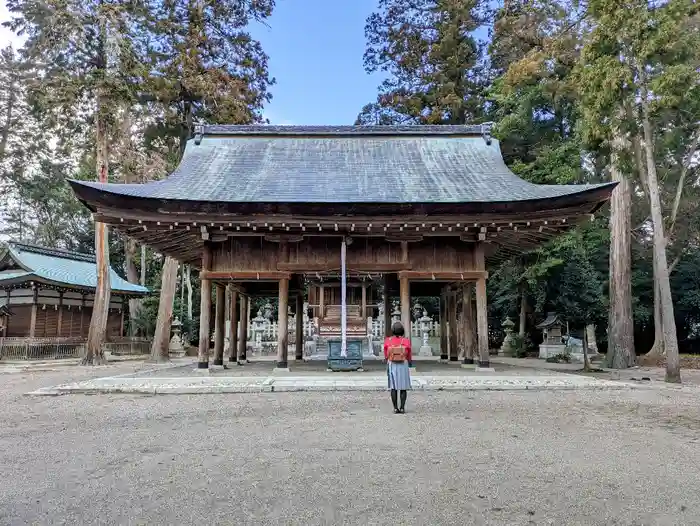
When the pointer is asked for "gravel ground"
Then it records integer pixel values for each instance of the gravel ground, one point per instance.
(560, 458)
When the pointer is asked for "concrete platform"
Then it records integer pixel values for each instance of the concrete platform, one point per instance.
(330, 382)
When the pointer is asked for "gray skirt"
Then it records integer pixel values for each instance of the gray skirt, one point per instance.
(399, 376)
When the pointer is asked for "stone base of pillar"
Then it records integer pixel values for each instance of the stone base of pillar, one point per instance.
(454, 358)
(443, 357)
(202, 365)
(480, 369)
(484, 363)
(279, 369)
(218, 362)
(468, 361)
(470, 366)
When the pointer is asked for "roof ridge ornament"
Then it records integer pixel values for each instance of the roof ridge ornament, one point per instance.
(486, 131)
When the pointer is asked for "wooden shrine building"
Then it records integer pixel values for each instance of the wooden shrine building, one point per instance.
(48, 293)
(334, 212)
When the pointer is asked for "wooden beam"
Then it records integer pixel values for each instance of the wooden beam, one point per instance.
(330, 266)
(115, 216)
(467, 275)
(244, 275)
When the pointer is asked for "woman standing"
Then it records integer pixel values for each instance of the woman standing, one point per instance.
(397, 353)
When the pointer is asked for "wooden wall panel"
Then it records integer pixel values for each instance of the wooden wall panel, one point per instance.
(19, 321)
(255, 254)
(441, 254)
(114, 321)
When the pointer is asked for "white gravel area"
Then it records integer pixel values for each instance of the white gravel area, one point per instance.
(589, 457)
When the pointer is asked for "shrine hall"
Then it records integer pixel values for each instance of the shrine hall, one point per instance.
(329, 216)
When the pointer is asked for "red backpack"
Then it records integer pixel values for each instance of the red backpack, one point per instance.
(396, 351)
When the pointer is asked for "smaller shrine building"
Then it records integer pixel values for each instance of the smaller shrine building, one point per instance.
(48, 293)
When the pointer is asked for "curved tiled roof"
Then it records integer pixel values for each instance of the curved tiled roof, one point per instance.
(62, 267)
(342, 164)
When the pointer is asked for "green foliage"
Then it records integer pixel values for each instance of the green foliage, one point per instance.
(434, 65)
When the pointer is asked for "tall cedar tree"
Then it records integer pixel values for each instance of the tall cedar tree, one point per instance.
(435, 66)
(209, 70)
(87, 66)
(637, 60)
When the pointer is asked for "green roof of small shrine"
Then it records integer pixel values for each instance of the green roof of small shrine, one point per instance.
(23, 262)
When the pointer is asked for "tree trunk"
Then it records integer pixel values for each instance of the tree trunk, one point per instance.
(161, 338)
(132, 276)
(523, 311)
(586, 361)
(657, 350)
(620, 326)
(97, 334)
(673, 369)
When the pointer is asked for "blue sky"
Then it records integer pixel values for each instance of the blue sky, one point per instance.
(315, 49)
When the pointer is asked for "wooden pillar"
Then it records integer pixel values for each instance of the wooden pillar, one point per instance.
(233, 317)
(243, 322)
(452, 319)
(405, 296)
(364, 302)
(282, 324)
(121, 320)
(204, 312)
(32, 319)
(7, 318)
(82, 314)
(321, 302)
(59, 323)
(443, 326)
(219, 325)
(482, 322)
(467, 323)
(299, 354)
(387, 308)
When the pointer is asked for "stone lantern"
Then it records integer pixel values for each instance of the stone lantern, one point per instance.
(507, 345)
(417, 311)
(175, 347)
(425, 322)
(266, 311)
(396, 313)
(258, 325)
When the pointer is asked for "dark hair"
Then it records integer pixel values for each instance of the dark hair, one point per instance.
(397, 329)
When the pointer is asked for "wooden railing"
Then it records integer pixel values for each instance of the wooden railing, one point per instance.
(65, 348)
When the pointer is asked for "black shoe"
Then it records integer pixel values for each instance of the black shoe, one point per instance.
(402, 410)
(397, 411)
